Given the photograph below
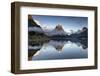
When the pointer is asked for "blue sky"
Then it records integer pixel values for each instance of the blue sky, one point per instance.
(68, 22)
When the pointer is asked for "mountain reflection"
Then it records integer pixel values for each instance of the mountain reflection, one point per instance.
(34, 47)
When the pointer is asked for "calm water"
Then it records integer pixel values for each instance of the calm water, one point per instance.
(58, 49)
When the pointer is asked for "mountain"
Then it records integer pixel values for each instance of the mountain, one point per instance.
(58, 31)
(33, 26)
(35, 32)
(83, 33)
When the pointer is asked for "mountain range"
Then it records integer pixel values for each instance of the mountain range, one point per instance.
(35, 29)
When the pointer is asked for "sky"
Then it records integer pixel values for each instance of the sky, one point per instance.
(68, 23)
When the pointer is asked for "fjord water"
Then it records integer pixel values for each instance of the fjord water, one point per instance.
(58, 49)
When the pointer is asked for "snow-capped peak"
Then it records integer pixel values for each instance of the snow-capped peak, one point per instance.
(57, 31)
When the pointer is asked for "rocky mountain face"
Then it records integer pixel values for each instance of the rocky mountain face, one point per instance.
(33, 27)
(57, 31)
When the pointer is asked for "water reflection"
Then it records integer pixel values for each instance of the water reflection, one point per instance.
(58, 49)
